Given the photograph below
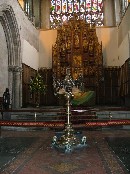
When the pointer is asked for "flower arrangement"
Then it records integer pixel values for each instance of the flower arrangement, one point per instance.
(37, 86)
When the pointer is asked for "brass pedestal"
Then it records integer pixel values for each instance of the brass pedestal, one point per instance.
(69, 140)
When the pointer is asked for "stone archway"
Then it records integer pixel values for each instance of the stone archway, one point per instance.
(11, 30)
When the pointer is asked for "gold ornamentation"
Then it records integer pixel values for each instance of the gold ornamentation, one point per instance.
(77, 61)
(85, 45)
(77, 47)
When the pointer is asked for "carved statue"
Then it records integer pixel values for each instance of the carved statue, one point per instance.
(91, 47)
(76, 40)
(68, 45)
(85, 45)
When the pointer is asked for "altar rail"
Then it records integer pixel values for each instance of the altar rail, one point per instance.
(59, 113)
(56, 117)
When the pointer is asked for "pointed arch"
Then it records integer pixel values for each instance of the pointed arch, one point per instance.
(10, 26)
(11, 30)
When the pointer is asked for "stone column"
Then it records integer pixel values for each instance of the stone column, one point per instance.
(45, 14)
(109, 15)
(10, 83)
(17, 86)
(117, 12)
(122, 4)
(15, 81)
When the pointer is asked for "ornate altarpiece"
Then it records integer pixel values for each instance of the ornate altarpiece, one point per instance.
(77, 47)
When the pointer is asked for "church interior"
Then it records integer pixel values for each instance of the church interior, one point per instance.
(65, 86)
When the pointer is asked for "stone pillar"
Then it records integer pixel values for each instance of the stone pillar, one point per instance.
(45, 14)
(15, 85)
(117, 12)
(109, 15)
(10, 83)
(122, 4)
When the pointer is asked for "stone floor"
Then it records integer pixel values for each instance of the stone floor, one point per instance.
(30, 152)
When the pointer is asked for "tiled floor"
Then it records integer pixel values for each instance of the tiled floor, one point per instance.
(40, 158)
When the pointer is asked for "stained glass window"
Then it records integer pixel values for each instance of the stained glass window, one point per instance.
(63, 10)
